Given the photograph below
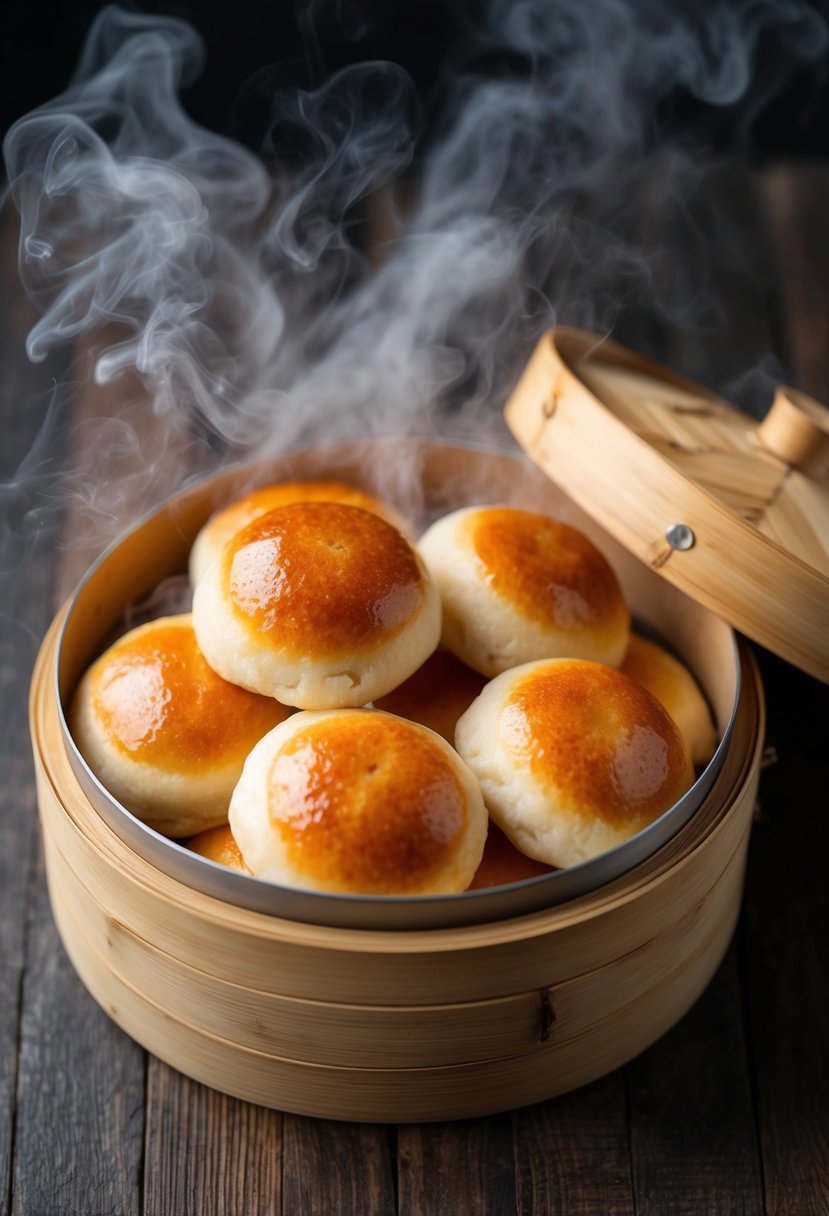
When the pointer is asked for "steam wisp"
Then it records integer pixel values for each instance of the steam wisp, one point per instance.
(244, 305)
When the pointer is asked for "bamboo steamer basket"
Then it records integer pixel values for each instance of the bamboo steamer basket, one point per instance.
(400, 1023)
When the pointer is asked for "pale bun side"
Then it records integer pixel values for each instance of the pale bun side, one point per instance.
(162, 732)
(573, 758)
(495, 623)
(349, 680)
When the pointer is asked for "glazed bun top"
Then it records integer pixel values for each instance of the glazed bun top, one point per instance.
(550, 572)
(517, 586)
(222, 526)
(596, 741)
(322, 578)
(156, 701)
(358, 801)
(573, 758)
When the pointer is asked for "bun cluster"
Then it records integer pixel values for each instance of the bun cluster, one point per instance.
(473, 710)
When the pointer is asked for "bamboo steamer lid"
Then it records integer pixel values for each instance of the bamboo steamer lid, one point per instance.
(733, 513)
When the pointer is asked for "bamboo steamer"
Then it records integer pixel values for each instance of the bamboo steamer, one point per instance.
(401, 1023)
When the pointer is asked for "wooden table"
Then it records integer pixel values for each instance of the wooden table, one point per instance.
(728, 1113)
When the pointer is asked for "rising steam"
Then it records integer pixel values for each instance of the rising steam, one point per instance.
(243, 301)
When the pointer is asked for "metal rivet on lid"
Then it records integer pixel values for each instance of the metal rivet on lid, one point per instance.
(680, 536)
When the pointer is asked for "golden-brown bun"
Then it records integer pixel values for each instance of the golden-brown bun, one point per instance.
(517, 586)
(573, 757)
(162, 732)
(676, 689)
(217, 844)
(359, 802)
(318, 604)
(436, 695)
(502, 863)
(222, 526)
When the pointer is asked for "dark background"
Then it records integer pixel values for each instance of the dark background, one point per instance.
(253, 48)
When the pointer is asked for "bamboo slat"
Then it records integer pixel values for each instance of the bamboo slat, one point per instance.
(390, 1036)
(401, 1095)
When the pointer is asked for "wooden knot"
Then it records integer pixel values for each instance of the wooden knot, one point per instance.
(548, 1015)
(549, 405)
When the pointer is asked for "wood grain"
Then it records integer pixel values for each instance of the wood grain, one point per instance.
(464, 1167)
(336, 1167)
(80, 1103)
(10, 982)
(785, 957)
(573, 1154)
(206, 1154)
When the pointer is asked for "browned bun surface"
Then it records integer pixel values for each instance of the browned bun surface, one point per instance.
(162, 731)
(552, 573)
(318, 604)
(222, 526)
(217, 844)
(677, 691)
(502, 863)
(361, 802)
(517, 586)
(573, 757)
(436, 695)
(322, 574)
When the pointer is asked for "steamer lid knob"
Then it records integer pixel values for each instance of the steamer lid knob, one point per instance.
(796, 429)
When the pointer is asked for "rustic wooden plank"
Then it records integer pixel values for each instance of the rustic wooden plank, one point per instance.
(207, 1154)
(10, 997)
(787, 899)
(795, 197)
(693, 1141)
(80, 1092)
(785, 958)
(30, 417)
(80, 1099)
(457, 1167)
(573, 1153)
(27, 536)
(330, 1168)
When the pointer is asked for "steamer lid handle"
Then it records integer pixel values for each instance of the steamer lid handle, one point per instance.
(796, 429)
